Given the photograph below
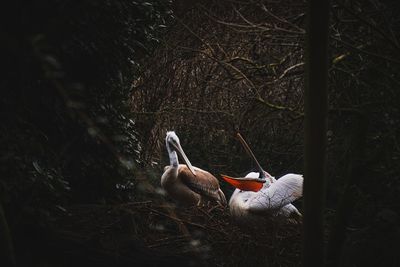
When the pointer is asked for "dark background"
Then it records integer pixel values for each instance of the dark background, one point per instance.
(89, 89)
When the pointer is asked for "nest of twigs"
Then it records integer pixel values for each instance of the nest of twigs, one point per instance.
(148, 233)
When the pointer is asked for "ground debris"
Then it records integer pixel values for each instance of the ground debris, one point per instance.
(147, 233)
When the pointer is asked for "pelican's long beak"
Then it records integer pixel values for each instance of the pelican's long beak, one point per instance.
(245, 183)
(185, 159)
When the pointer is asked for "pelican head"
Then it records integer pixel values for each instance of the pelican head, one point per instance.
(173, 145)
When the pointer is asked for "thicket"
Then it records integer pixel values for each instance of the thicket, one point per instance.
(89, 89)
(230, 66)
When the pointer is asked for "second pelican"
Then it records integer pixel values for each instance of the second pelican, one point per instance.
(259, 194)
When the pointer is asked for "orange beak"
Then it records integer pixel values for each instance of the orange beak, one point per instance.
(246, 184)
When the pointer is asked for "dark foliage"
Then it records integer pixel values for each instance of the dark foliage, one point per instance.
(66, 133)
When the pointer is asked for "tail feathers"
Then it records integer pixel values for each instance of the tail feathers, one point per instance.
(222, 198)
(295, 217)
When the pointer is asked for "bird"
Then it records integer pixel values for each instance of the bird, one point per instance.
(186, 184)
(272, 200)
(259, 194)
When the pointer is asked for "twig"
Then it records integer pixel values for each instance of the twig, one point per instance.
(366, 52)
(289, 69)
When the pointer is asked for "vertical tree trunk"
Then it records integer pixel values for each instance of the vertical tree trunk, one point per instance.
(315, 131)
(6, 247)
(346, 206)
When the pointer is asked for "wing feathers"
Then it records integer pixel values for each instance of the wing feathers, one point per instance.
(284, 191)
(204, 183)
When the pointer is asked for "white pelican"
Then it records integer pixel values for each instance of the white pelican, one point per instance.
(259, 194)
(187, 184)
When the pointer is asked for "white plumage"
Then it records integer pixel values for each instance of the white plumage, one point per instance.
(274, 199)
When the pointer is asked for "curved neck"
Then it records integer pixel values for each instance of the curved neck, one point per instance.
(173, 156)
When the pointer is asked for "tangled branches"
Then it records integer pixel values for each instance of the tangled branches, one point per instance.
(224, 67)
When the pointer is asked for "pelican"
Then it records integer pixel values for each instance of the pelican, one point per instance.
(187, 184)
(259, 194)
